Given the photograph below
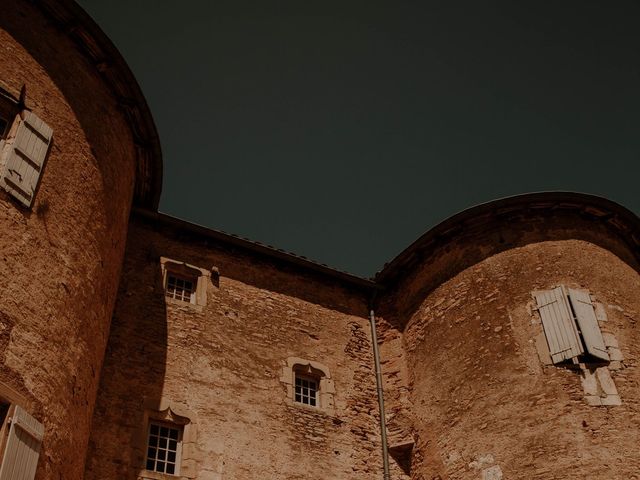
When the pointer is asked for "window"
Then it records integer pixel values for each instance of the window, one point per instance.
(185, 283)
(166, 442)
(164, 448)
(9, 108)
(24, 147)
(570, 325)
(308, 384)
(21, 437)
(180, 288)
(306, 390)
(575, 340)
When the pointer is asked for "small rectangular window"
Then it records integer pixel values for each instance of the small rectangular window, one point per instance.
(181, 288)
(306, 391)
(163, 448)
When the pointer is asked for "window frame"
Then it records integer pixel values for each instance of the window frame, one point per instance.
(175, 415)
(172, 291)
(299, 390)
(178, 460)
(302, 368)
(199, 277)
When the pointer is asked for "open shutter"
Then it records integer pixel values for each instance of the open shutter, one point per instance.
(25, 158)
(22, 448)
(588, 323)
(559, 327)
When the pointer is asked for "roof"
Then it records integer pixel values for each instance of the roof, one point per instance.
(621, 220)
(257, 248)
(111, 67)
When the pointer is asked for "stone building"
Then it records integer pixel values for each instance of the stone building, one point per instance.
(139, 346)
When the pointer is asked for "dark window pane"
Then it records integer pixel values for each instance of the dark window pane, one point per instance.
(164, 431)
(162, 442)
(173, 445)
(171, 456)
(171, 468)
(153, 441)
(160, 467)
(151, 452)
(173, 433)
(150, 464)
(154, 429)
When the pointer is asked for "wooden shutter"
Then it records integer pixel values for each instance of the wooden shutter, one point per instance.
(559, 327)
(22, 448)
(588, 323)
(28, 149)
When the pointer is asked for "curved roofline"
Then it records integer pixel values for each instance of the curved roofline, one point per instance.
(618, 217)
(111, 67)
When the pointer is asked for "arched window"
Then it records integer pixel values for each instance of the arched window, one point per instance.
(308, 384)
(184, 283)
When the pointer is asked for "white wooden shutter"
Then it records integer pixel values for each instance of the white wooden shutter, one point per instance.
(23, 447)
(559, 327)
(27, 151)
(588, 323)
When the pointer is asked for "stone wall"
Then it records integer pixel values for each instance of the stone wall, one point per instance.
(61, 259)
(222, 365)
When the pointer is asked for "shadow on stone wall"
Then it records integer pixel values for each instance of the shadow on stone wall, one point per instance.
(134, 370)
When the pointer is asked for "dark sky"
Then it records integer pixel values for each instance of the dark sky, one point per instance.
(343, 130)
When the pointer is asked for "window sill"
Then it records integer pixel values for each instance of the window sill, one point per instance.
(185, 306)
(149, 475)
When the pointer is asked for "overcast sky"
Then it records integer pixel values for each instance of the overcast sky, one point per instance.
(344, 130)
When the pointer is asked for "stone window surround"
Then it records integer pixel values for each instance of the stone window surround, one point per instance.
(176, 414)
(326, 387)
(199, 276)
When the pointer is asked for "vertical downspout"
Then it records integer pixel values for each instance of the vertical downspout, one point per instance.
(383, 422)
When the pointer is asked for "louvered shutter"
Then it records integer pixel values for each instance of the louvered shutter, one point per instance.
(25, 158)
(559, 327)
(588, 323)
(22, 448)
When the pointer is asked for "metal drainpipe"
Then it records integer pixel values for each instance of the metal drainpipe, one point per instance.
(383, 422)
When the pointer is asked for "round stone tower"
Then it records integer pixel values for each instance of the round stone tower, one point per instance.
(78, 148)
(513, 345)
